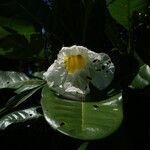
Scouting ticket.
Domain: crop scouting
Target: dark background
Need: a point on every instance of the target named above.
(64, 24)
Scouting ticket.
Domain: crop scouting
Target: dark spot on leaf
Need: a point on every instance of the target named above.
(109, 61)
(96, 106)
(94, 61)
(98, 69)
(103, 67)
(30, 114)
(62, 124)
(89, 78)
(7, 82)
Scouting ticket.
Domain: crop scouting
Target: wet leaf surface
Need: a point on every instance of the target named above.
(82, 120)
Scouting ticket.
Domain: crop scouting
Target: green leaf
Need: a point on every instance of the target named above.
(142, 79)
(19, 116)
(22, 97)
(82, 120)
(83, 146)
(113, 34)
(3, 32)
(38, 74)
(18, 99)
(122, 10)
(20, 26)
(15, 80)
(31, 84)
(16, 46)
(11, 79)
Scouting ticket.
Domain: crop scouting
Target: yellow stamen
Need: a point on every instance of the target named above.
(74, 63)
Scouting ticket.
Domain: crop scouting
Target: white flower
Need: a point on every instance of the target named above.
(75, 67)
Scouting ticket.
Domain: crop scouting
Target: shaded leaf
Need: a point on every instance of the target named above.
(19, 116)
(83, 146)
(113, 34)
(16, 46)
(18, 99)
(20, 26)
(3, 32)
(142, 79)
(122, 10)
(82, 120)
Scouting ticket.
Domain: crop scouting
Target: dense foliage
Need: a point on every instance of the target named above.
(31, 34)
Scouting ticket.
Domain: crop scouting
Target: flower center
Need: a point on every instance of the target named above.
(74, 63)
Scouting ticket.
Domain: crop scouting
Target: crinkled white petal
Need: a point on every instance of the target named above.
(99, 70)
(74, 86)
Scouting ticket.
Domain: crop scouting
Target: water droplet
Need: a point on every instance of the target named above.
(43, 31)
(140, 14)
(28, 126)
(140, 24)
(145, 15)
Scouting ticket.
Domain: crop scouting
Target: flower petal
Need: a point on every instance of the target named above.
(75, 67)
(102, 71)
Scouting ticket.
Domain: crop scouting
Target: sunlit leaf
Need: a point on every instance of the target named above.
(11, 79)
(31, 84)
(19, 116)
(15, 80)
(122, 10)
(142, 79)
(82, 120)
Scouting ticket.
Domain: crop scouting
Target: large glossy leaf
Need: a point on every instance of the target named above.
(82, 120)
(11, 79)
(19, 116)
(142, 79)
(122, 10)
